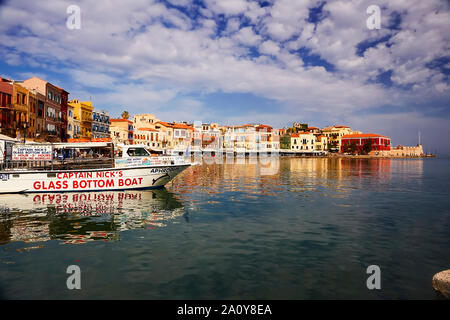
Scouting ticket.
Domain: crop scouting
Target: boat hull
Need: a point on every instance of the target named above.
(129, 178)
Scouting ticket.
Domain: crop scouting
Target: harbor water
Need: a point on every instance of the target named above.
(296, 228)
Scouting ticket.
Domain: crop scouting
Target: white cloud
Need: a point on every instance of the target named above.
(146, 54)
(247, 37)
(229, 7)
(269, 47)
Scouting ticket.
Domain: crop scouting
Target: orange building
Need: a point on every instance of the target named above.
(53, 116)
(121, 131)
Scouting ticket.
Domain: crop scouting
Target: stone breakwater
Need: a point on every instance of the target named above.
(441, 283)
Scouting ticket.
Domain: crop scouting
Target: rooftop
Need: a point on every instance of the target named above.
(364, 135)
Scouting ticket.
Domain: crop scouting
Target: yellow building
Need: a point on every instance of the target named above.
(146, 120)
(20, 105)
(32, 111)
(82, 112)
(321, 143)
(73, 125)
(334, 134)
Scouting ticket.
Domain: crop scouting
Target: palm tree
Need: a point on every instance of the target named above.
(125, 115)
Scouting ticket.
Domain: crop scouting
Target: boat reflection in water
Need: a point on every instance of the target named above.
(77, 218)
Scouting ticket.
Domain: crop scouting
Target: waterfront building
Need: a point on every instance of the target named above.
(207, 137)
(321, 143)
(176, 136)
(64, 108)
(285, 141)
(40, 114)
(32, 110)
(251, 138)
(149, 137)
(6, 108)
(182, 136)
(20, 105)
(303, 142)
(267, 139)
(240, 138)
(73, 124)
(121, 131)
(282, 132)
(402, 151)
(82, 111)
(100, 124)
(165, 134)
(334, 135)
(146, 120)
(53, 117)
(364, 143)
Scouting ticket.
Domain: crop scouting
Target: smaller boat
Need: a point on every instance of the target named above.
(91, 166)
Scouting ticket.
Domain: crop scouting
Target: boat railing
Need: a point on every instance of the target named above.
(57, 164)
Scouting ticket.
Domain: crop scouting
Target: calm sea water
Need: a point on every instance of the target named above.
(297, 229)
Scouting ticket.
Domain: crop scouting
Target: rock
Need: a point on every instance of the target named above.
(441, 283)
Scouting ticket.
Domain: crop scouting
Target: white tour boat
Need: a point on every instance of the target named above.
(93, 166)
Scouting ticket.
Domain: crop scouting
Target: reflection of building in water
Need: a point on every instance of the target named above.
(379, 169)
(332, 173)
(250, 175)
(24, 231)
(82, 217)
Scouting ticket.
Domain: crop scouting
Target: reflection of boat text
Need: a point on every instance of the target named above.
(88, 204)
(87, 216)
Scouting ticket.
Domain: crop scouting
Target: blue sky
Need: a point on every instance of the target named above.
(245, 61)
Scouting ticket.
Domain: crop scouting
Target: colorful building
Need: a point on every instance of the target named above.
(176, 136)
(267, 139)
(165, 134)
(54, 123)
(20, 106)
(146, 120)
(32, 110)
(64, 108)
(334, 135)
(321, 144)
(149, 137)
(40, 114)
(303, 142)
(207, 137)
(365, 143)
(6, 108)
(82, 111)
(100, 124)
(121, 131)
(73, 125)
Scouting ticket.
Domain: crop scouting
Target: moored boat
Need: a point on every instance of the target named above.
(66, 167)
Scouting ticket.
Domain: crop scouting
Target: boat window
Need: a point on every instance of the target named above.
(137, 152)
